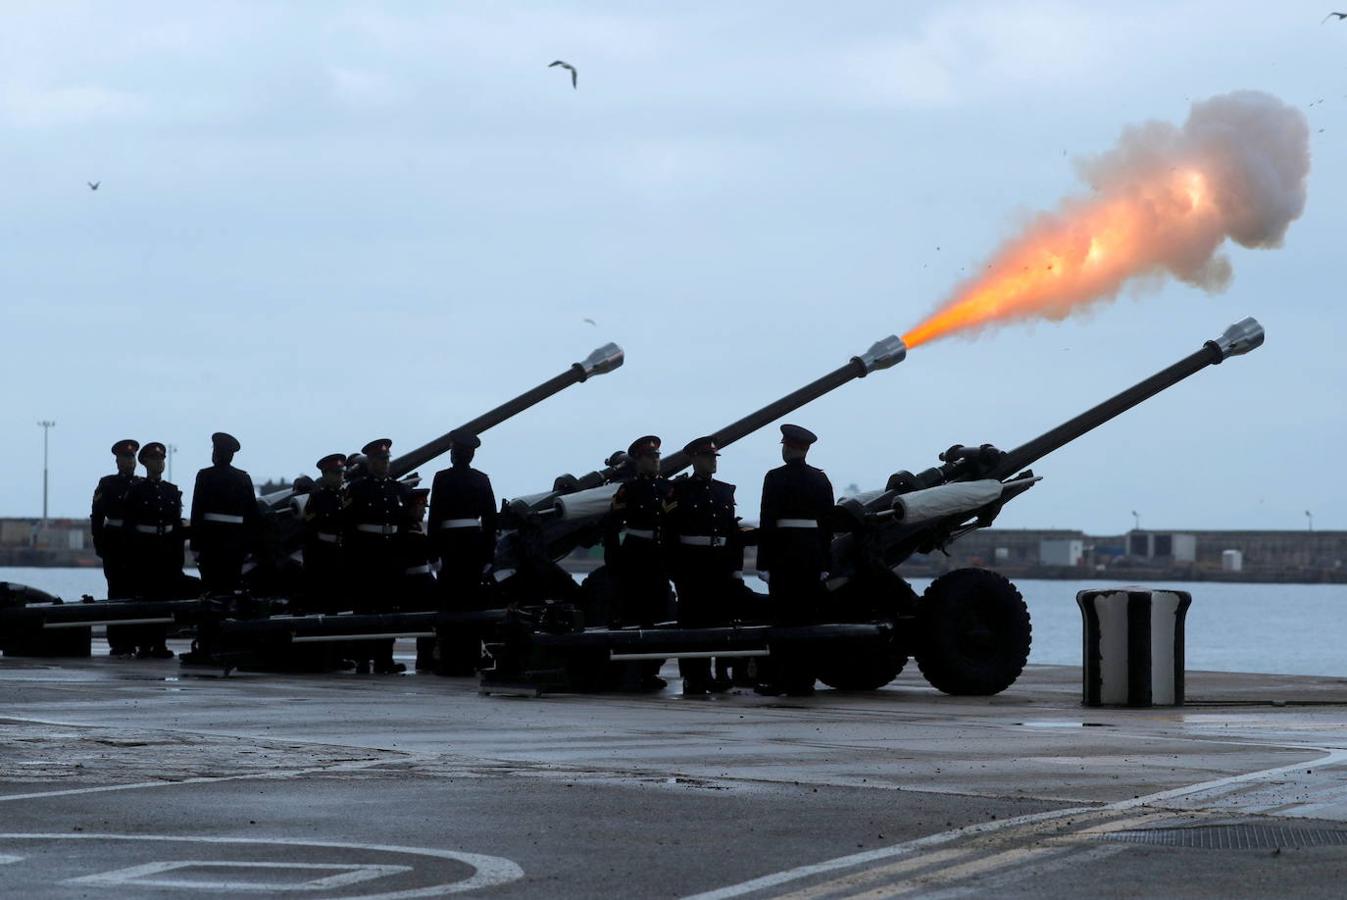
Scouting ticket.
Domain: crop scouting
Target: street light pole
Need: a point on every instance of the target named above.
(1309, 515)
(46, 426)
(172, 448)
(1136, 520)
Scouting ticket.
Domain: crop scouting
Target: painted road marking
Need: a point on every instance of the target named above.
(1331, 757)
(141, 876)
(10, 859)
(204, 779)
(488, 871)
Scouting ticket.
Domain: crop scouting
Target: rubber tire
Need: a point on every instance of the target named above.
(861, 672)
(974, 633)
(851, 670)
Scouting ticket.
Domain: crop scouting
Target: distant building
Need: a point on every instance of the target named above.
(1061, 552)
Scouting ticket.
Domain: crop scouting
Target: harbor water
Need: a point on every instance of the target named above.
(1294, 629)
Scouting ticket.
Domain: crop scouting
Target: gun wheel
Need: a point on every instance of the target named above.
(858, 670)
(870, 668)
(974, 633)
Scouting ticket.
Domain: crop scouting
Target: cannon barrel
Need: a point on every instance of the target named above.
(1238, 339)
(601, 361)
(883, 354)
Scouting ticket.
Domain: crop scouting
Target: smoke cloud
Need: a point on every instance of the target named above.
(1163, 203)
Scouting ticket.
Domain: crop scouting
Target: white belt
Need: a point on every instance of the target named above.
(703, 540)
(112, 523)
(327, 538)
(223, 518)
(377, 529)
(797, 523)
(462, 523)
(647, 533)
(155, 529)
(423, 569)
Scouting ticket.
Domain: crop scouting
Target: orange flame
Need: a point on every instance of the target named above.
(1086, 252)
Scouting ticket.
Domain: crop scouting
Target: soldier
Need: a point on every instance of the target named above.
(707, 554)
(376, 510)
(633, 548)
(224, 518)
(153, 528)
(324, 580)
(462, 525)
(106, 520)
(795, 548)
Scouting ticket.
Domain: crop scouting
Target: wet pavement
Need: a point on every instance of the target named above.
(145, 779)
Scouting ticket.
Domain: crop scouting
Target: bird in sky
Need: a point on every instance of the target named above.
(592, 322)
(93, 185)
(565, 65)
(1339, 15)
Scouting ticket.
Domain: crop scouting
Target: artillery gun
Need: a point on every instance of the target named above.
(969, 632)
(33, 623)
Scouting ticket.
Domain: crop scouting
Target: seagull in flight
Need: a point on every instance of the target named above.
(565, 65)
(592, 322)
(93, 185)
(1339, 15)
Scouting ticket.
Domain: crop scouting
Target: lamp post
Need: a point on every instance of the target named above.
(1309, 515)
(171, 448)
(1136, 521)
(46, 426)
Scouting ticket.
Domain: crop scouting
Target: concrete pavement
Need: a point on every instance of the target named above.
(142, 777)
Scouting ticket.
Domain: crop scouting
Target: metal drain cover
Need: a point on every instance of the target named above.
(1233, 837)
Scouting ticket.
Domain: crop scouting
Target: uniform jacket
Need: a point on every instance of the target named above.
(703, 508)
(641, 504)
(156, 504)
(796, 490)
(375, 501)
(462, 492)
(223, 491)
(107, 517)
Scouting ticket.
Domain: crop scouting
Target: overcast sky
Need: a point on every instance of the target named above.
(321, 223)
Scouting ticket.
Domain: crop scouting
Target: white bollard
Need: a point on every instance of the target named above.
(1133, 652)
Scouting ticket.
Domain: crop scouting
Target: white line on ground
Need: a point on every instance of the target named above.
(489, 870)
(1332, 757)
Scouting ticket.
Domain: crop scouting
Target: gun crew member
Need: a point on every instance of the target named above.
(153, 529)
(377, 509)
(107, 519)
(633, 548)
(707, 554)
(324, 580)
(462, 525)
(224, 517)
(795, 548)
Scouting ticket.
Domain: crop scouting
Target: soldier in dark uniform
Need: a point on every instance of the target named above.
(707, 555)
(633, 549)
(377, 509)
(224, 518)
(795, 549)
(462, 526)
(153, 528)
(325, 588)
(106, 519)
